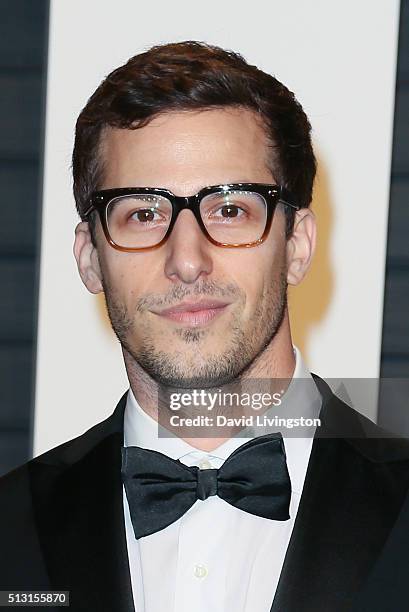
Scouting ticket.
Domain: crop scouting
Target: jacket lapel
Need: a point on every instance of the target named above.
(349, 504)
(81, 527)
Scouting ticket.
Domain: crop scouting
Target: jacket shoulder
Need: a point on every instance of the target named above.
(339, 420)
(64, 455)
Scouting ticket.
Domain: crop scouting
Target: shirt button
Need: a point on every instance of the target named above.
(200, 571)
(204, 464)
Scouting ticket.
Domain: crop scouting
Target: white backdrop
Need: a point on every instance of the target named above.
(340, 59)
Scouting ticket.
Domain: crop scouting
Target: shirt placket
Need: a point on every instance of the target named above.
(202, 555)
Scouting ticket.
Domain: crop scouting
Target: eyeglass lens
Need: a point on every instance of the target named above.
(142, 220)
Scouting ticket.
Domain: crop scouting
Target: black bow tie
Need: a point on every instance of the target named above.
(160, 490)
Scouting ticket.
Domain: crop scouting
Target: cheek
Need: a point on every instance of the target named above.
(251, 270)
(121, 276)
(132, 276)
(264, 274)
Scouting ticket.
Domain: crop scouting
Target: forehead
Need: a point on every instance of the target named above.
(191, 147)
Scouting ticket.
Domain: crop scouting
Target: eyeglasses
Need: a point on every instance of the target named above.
(234, 215)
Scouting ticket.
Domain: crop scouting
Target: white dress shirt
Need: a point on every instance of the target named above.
(215, 558)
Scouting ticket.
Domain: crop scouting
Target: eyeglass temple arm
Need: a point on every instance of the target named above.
(89, 210)
(285, 197)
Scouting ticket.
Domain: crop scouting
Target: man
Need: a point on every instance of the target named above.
(193, 175)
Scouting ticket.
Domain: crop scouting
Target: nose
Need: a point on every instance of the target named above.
(188, 257)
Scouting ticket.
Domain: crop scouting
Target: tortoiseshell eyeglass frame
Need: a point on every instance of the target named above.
(272, 194)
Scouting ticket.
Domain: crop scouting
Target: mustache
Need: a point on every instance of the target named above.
(179, 292)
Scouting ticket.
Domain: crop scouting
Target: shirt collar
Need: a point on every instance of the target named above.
(142, 430)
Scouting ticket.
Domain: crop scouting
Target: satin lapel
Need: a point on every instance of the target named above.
(81, 525)
(347, 509)
(317, 571)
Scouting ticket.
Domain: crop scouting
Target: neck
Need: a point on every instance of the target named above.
(276, 361)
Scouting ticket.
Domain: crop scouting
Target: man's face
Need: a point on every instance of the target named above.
(184, 152)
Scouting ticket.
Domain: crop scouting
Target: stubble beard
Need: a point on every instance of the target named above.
(188, 368)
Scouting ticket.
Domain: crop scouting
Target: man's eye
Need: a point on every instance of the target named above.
(227, 211)
(230, 211)
(144, 215)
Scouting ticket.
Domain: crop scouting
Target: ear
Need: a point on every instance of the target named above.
(301, 246)
(87, 258)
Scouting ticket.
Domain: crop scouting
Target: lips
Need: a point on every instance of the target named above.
(194, 314)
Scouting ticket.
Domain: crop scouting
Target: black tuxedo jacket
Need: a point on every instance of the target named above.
(62, 526)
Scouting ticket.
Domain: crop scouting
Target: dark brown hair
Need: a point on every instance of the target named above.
(191, 76)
